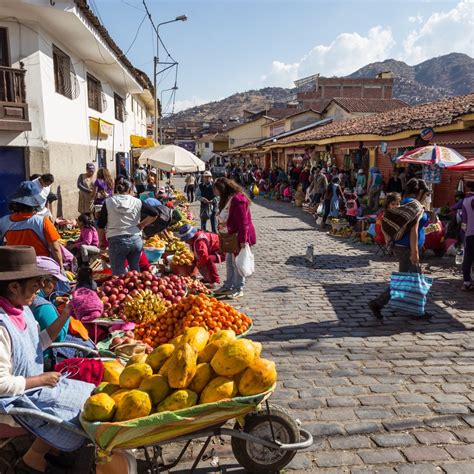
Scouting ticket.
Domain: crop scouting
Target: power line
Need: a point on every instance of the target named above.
(133, 6)
(136, 36)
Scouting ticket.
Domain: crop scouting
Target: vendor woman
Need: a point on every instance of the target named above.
(205, 246)
(23, 383)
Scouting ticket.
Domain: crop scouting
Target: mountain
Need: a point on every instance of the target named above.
(434, 79)
(431, 80)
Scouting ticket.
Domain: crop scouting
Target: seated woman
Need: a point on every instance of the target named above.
(46, 313)
(88, 242)
(23, 382)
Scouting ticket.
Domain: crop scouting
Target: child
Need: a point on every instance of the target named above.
(392, 201)
(85, 280)
(287, 194)
(352, 208)
(88, 242)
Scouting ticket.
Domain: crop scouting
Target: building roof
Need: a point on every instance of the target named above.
(300, 112)
(140, 76)
(362, 105)
(434, 114)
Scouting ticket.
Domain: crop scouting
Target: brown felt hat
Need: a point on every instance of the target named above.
(18, 262)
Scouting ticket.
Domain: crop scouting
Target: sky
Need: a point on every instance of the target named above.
(230, 46)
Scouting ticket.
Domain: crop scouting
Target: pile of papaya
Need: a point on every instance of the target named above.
(194, 368)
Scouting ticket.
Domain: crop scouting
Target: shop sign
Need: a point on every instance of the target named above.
(106, 128)
(427, 134)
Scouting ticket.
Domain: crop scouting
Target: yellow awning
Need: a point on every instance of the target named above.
(103, 127)
(136, 141)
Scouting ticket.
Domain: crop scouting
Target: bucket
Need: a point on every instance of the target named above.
(153, 254)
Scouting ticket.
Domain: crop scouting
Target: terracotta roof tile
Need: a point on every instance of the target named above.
(362, 105)
(434, 114)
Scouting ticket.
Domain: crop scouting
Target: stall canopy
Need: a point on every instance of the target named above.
(440, 156)
(464, 166)
(171, 158)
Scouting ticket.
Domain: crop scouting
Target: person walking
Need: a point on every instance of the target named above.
(468, 223)
(141, 179)
(190, 182)
(318, 186)
(375, 187)
(85, 184)
(119, 221)
(206, 196)
(234, 218)
(407, 249)
(361, 183)
(332, 199)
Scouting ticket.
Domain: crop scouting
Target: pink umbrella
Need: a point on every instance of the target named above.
(440, 156)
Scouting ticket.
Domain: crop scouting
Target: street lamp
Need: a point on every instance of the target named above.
(174, 88)
(156, 62)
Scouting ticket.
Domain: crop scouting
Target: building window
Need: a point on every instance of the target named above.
(119, 108)
(62, 73)
(206, 145)
(94, 93)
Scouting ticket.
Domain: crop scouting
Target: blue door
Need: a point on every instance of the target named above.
(12, 173)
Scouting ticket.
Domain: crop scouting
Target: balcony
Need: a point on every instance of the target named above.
(13, 106)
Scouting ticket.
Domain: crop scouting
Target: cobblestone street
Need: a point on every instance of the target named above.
(378, 397)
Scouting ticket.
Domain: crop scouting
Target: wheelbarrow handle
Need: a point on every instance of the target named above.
(306, 443)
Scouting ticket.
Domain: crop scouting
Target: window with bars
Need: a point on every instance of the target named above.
(94, 93)
(119, 105)
(62, 72)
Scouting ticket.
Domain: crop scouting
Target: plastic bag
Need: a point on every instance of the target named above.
(245, 261)
(255, 190)
(320, 210)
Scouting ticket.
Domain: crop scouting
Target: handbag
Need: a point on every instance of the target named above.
(228, 243)
(408, 292)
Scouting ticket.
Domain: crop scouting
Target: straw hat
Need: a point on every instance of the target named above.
(18, 262)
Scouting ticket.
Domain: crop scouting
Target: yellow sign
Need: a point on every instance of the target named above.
(136, 141)
(100, 127)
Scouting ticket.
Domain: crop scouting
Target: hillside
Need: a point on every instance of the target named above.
(431, 80)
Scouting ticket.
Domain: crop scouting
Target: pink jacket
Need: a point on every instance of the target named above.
(87, 237)
(240, 220)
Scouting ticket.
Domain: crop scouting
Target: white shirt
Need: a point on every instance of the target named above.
(44, 193)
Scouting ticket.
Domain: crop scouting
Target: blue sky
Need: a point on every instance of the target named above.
(230, 46)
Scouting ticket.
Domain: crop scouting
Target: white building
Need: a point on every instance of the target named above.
(68, 96)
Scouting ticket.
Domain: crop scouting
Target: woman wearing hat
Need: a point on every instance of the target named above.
(23, 383)
(205, 246)
(85, 184)
(25, 227)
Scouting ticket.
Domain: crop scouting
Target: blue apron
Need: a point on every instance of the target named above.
(64, 401)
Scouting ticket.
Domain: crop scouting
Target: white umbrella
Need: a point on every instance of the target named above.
(172, 158)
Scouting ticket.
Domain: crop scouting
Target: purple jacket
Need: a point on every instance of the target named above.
(240, 220)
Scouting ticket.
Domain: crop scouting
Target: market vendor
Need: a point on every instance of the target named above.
(25, 227)
(166, 217)
(205, 246)
(23, 382)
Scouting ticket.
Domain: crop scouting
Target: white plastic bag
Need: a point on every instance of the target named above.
(245, 261)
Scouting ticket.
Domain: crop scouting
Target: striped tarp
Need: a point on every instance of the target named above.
(160, 427)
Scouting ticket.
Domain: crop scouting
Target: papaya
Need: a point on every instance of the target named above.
(99, 407)
(132, 376)
(258, 348)
(107, 387)
(182, 367)
(164, 368)
(156, 386)
(232, 358)
(202, 377)
(178, 400)
(119, 394)
(177, 340)
(112, 371)
(134, 404)
(197, 337)
(258, 377)
(159, 355)
(223, 334)
(220, 388)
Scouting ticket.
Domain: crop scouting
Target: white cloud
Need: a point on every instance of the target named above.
(442, 33)
(188, 103)
(415, 19)
(348, 52)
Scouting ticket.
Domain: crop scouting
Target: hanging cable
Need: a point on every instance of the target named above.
(136, 36)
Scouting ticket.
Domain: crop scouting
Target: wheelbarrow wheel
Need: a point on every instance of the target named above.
(257, 458)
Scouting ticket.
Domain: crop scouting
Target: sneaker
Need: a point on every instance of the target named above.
(236, 295)
(376, 310)
(222, 291)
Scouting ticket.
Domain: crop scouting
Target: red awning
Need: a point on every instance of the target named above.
(464, 166)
